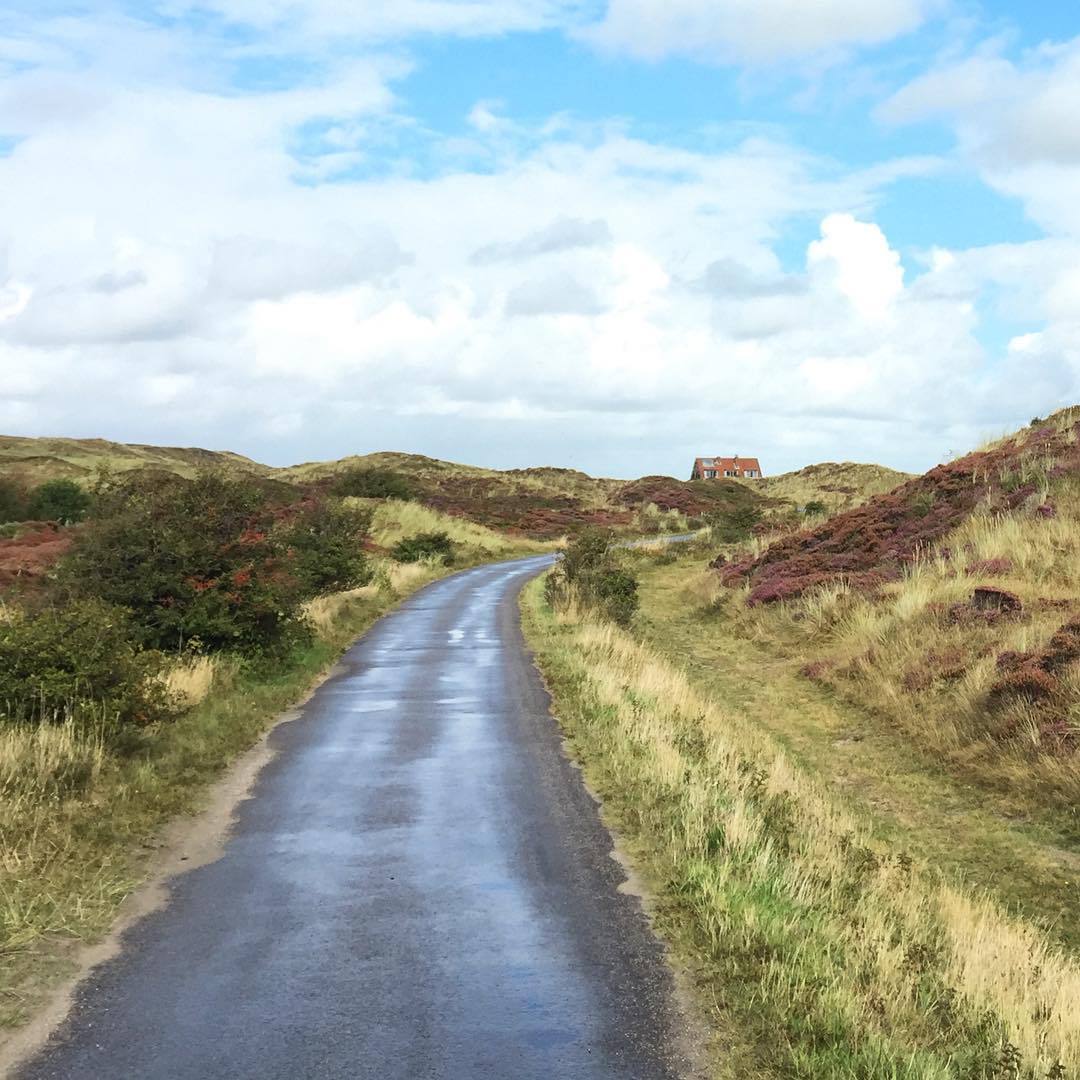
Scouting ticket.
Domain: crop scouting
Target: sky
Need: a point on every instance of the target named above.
(604, 234)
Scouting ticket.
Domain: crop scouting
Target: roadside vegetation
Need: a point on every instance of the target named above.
(155, 646)
(855, 796)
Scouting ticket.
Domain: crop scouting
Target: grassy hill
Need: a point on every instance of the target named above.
(541, 502)
(838, 485)
(538, 502)
(33, 461)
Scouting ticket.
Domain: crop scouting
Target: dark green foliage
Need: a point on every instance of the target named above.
(12, 501)
(732, 526)
(58, 500)
(368, 483)
(815, 508)
(194, 561)
(78, 660)
(434, 545)
(612, 591)
(590, 569)
(324, 548)
(589, 550)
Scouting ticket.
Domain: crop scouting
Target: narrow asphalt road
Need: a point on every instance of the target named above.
(420, 887)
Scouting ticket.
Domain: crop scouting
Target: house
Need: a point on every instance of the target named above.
(709, 468)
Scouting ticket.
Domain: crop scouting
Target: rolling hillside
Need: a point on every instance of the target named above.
(838, 485)
(539, 502)
(33, 461)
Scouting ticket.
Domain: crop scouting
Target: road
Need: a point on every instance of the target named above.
(419, 887)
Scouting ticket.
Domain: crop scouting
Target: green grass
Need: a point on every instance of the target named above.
(909, 798)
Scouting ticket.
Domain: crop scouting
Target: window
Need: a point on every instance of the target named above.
(729, 472)
(707, 461)
(751, 472)
(710, 474)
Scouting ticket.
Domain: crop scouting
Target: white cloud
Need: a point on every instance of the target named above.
(856, 257)
(754, 31)
(378, 22)
(176, 271)
(1016, 123)
(560, 294)
(562, 234)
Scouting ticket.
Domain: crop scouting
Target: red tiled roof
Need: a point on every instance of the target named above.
(729, 464)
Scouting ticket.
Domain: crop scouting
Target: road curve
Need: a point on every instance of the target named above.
(420, 887)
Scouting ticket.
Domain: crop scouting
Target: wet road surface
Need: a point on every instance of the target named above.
(420, 887)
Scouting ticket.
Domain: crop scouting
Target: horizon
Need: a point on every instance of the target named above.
(602, 235)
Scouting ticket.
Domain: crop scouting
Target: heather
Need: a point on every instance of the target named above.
(874, 543)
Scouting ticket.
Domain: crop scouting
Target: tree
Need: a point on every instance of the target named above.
(58, 500)
(192, 560)
(324, 546)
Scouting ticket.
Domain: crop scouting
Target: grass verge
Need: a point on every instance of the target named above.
(826, 952)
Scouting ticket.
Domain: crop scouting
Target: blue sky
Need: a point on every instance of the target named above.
(611, 234)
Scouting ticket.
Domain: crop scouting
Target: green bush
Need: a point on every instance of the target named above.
(433, 545)
(80, 661)
(365, 483)
(591, 572)
(732, 526)
(58, 500)
(611, 591)
(815, 508)
(324, 547)
(12, 501)
(590, 549)
(194, 561)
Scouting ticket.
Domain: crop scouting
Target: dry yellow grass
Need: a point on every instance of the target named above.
(912, 653)
(852, 959)
(190, 680)
(839, 485)
(394, 520)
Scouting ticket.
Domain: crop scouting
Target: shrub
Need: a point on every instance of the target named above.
(430, 545)
(192, 560)
(589, 571)
(732, 526)
(590, 549)
(611, 591)
(12, 502)
(369, 483)
(815, 508)
(58, 500)
(78, 662)
(324, 547)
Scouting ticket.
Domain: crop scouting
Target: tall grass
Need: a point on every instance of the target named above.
(394, 519)
(837, 957)
(917, 654)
